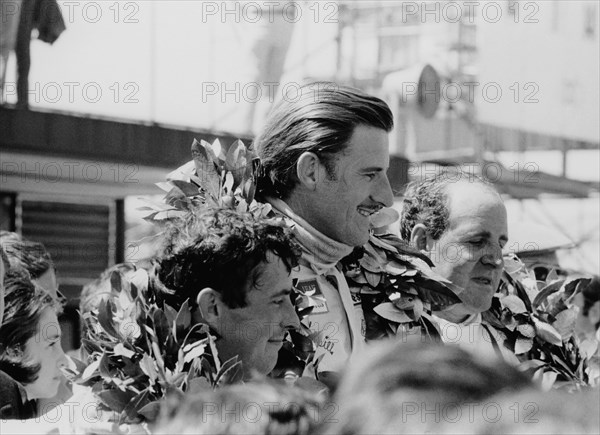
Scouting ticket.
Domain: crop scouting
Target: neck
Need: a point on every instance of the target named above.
(28, 393)
(297, 203)
(320, 247)
(225, 353)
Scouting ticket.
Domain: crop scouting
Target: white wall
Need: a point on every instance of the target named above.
(167, 56)
(551, 60)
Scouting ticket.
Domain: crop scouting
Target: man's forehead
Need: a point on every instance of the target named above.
(49, 326)
(464, 192)
(367, 152)
(270, 277)
(472, 207)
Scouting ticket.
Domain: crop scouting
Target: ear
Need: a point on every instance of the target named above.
(419, 238)
(307, 170)
(209, 303)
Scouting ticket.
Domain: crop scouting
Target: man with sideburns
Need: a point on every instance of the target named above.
(324, 156)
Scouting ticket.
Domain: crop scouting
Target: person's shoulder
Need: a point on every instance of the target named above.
(7, 384)
(11, 402)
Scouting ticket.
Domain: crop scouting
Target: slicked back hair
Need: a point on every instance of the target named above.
(321, 119)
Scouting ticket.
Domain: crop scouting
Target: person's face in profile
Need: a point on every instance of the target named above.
(469, 251)
(45, 349)
(256, 332)
(342, 205)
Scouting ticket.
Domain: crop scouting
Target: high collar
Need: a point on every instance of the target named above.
(323, 252)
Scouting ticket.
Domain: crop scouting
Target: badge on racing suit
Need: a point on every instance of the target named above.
(315, 298)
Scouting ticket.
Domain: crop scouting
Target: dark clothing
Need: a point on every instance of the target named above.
(45, 16)
(48, 20)
(13, 400)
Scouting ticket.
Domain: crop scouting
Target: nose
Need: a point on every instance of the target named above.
(383, 192)
(290, 318)
(493, 257)
(62, 359)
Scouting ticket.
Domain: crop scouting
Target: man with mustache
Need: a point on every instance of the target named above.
(324, 155)
(459, 221)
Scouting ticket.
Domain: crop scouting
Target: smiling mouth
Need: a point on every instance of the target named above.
(368, 211)
(277, 340)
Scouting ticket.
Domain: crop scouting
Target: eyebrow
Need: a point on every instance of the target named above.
(284, 292)
(373, 169)
(54, 337)
(487, 235)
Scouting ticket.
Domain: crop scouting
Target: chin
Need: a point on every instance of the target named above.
(356, 241)
(48, 393)
(481, 308)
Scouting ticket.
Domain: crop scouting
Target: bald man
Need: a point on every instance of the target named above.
(460, 223)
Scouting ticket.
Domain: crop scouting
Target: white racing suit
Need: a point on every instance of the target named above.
(337, 314)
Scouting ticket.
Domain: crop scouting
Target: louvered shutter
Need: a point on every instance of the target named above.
(77, 237)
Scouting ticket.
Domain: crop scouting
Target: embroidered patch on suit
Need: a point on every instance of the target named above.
(314, 295)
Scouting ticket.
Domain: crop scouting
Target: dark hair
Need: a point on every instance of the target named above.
(378, 387)
(426, 202)
(32, 256)
(220, 249)
(321, 120)
(24, 304)
(279, 409)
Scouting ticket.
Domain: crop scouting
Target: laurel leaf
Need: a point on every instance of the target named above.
(547, 333)
(389, 312)
(523, 345)
(514, 304)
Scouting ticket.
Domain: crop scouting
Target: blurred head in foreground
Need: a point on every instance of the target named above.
(255, 407)
(535, 412)
(400, 387)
